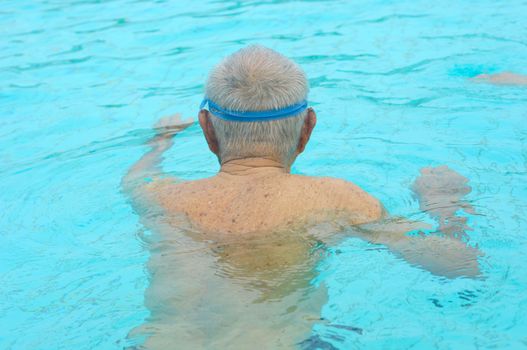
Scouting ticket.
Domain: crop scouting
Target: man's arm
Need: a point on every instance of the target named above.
(435, 252)
(147, 168)
(440, 250)
(440, 192)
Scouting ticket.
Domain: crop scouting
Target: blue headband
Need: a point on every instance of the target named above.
(254, 116)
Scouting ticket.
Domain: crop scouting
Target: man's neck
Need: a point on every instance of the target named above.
(252, 167)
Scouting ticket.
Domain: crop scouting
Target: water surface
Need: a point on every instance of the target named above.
(81, 82)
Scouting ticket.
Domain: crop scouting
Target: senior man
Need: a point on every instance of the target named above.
(257, 123)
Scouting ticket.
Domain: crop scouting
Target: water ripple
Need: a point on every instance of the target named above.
(81, 83)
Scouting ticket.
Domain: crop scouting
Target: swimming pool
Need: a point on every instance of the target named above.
(81, 82)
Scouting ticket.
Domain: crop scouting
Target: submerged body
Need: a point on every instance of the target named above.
(232, 292)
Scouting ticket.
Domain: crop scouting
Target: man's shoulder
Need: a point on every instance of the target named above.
(165, 191)
(343, 195)
(329, 183)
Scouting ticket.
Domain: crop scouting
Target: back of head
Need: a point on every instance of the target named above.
(255, 79)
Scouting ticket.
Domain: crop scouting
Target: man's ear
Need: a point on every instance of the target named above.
(307, 129)
(208, 131)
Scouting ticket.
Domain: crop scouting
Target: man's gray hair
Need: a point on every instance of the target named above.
(254, 79)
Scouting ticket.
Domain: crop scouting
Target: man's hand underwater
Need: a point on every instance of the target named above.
(168, 126)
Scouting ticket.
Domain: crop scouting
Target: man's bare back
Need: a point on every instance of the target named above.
(263, 199)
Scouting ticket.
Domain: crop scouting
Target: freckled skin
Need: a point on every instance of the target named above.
(228, 204)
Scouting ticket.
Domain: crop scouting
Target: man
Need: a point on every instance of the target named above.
(263, 221)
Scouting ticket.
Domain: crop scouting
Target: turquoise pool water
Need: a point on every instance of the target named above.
(81, 82)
